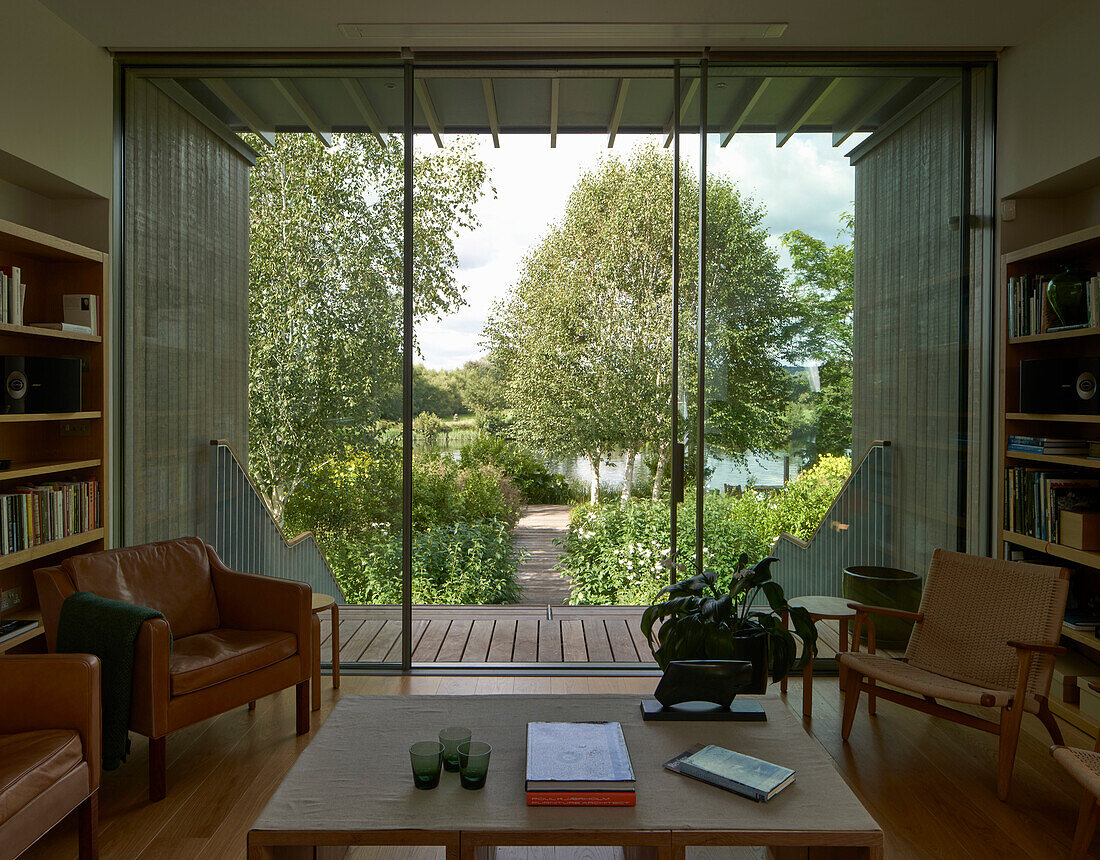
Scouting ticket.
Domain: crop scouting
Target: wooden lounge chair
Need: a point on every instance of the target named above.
(986, 635)
(1083, 766)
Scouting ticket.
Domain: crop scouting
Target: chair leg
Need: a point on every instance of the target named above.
(335, 647)
(158, 768)
(1051, 724)
(1006, 756)
(853, 685)
(1086, 826)
(88, 827)
(302, 692)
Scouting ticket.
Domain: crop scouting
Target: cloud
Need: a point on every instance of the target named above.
(806, 185)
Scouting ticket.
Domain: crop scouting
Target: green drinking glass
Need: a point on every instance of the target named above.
(473, 758)
(451, 738)
(427, 758)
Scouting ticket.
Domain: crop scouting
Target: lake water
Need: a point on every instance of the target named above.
(767, 472)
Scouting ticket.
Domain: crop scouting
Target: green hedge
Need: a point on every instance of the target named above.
(615, 555)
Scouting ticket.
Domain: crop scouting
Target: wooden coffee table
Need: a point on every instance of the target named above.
(353, 786)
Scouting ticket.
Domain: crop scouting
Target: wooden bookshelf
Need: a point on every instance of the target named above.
(1059, 417)
(33, 331)
(55, 446)
(1066, 553)
(27, 636)
(1069, 334)
(1055, 459)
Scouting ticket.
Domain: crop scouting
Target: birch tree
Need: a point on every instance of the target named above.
(325, 290)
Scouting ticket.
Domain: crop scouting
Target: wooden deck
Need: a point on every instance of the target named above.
(469, 635)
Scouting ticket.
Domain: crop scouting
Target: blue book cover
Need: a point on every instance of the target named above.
(578, 757)
(750, 777)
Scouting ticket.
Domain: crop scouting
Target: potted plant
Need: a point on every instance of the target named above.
(701, 621)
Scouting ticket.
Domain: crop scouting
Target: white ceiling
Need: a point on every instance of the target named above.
(312, 24)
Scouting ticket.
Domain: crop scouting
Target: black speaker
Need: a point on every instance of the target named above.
(1060, 385)
(34, 383)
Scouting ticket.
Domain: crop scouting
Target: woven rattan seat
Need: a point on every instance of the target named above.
(898, 673)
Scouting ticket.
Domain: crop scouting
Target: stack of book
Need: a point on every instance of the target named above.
(578, 764)
(30, 516)
(1049, 445)
(1029, 313)
(12, 294)
(1083, 621)
(1034, 498)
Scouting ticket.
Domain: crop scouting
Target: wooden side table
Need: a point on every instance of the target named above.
(820, 609)
(321, 602)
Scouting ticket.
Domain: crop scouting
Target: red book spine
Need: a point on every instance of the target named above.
(581, 798)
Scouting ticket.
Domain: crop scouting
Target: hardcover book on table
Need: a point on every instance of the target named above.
(566, 761)
(742, 774)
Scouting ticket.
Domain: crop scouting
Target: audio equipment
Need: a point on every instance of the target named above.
(1060, 385)
(35, 383)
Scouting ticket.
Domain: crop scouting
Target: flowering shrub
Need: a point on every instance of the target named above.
(615, 555)
(459, 562)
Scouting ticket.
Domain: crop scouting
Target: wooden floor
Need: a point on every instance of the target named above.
(458, 635)
(929, 783)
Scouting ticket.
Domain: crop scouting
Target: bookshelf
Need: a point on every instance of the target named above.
(55, 446)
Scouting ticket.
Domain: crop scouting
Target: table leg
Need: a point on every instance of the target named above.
(316, 632)
(844, 646)
(808, 689)
(335, 647)
(783, 683)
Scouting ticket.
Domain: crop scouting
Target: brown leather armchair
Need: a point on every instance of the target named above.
(49, 748)
(226, 639)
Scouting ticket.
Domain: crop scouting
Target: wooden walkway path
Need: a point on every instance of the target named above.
(534, 535)
(465, 635)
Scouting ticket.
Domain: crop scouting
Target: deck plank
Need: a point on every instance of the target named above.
(595, 638)
(427, 649)
(394, 654)
(549, 641)
(526, 649)
(352, 649)
(454, 645)
(477, 644)
(572, 637)
(387, 638)
(504, 638)
(641, 644)
(622, 645)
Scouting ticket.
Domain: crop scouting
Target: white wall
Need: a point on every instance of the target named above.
(1048, 92)
(56, 96)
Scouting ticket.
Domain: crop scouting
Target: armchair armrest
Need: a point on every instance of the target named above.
(55, 691)
(53, 585)
(1037, 647)
(886, 610)
(864, 615)
(151, 680)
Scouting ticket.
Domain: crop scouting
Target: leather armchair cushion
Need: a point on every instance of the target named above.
(206, 659)
(30, 762)
(171, 576)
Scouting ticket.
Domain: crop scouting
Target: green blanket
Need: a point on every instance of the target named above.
(90, 624)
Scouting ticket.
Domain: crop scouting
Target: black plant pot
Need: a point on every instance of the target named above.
(716, 681)
(752, 646)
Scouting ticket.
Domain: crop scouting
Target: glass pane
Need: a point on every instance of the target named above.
(543, 389)
(833, 308)
(325, 352)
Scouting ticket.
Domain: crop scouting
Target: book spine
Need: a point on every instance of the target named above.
(581, 798)
(722, 782)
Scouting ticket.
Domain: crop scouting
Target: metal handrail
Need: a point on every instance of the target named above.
(856, 530)
(246, 533)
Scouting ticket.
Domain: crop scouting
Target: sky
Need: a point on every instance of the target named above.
(806, 185)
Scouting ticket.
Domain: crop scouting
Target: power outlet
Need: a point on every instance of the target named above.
(11, 598)
(75, 428)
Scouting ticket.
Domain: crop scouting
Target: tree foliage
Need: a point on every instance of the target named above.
(325, 290)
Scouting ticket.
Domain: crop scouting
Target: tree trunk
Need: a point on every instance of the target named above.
(658, 476)
(277, 502)
(594, 496)
(628, 477)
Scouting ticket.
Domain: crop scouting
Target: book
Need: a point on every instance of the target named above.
(11, 629)
(742, 774)
(81, 309)
(14, 293)
(582, 798)
(568, 757)
(73, 327)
